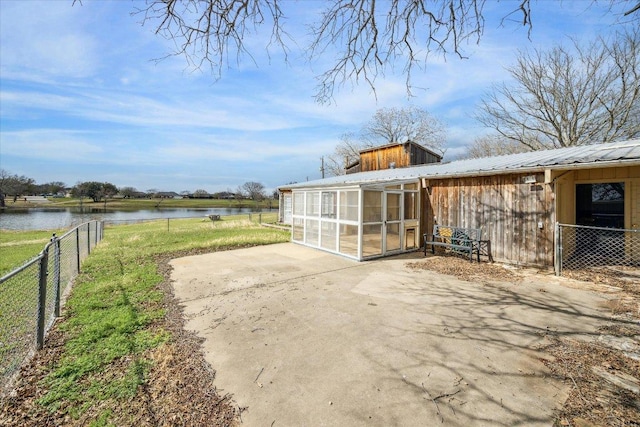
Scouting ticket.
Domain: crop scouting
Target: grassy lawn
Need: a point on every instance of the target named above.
(111, 319)
(18, 247)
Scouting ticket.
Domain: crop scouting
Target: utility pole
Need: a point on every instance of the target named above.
(322, 166)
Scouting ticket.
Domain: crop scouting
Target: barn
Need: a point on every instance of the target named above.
(523, 203)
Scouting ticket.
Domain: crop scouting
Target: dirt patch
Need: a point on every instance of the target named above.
(465, 270)
(591, 369)
(625, 278)
(179, 390)
(593, 398)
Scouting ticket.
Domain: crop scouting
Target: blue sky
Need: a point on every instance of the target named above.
(82, 99)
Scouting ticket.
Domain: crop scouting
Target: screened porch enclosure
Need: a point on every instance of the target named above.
(359, 222)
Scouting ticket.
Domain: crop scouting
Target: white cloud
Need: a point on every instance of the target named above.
(49, 144)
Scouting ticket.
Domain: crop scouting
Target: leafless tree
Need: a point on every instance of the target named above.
(570, 96)
(346, 152)
(492, 145)
(201, 194)
(253, 190)
(371, 37)
(388, 125)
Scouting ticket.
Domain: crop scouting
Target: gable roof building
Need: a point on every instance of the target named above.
(391, 156)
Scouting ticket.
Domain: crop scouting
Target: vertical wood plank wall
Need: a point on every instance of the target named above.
(381, 158)
(402, 155)
(507, 210)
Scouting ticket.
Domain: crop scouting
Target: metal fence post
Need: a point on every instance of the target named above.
(558, 239)
(56, 274)
(260, 218)
(167, 225)
(88, 239)
(42, 297)
(78, 249)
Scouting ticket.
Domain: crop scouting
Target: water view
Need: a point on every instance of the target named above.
(55, 218)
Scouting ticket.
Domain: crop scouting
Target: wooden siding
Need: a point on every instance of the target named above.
(383, 157)
(420, 156)
(507, 210)
(402, 155)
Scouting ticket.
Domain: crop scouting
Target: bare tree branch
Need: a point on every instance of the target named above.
(570, 96)
(364, 39)
(493, 145)
(211, 32)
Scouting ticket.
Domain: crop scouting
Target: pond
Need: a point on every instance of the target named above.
(56, 218)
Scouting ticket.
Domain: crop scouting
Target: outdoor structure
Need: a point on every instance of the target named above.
(396, 155)
(516, 200)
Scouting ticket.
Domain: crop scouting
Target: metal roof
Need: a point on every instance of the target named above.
(595, 155)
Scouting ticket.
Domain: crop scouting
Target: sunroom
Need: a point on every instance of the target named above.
(359, 221)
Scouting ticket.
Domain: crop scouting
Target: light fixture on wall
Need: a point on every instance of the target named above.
(529, 179)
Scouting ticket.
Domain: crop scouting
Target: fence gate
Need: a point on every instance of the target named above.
(581, 247)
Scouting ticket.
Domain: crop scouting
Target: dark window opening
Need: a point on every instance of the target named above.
(600, 205)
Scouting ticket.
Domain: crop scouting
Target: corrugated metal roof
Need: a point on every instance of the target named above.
(626, 152)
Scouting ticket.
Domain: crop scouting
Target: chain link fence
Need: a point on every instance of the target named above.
(31, 296)
(581, 247)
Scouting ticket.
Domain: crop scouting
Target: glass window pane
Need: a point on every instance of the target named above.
(372, 208)
(371, 239)
(349, 205)
(393, 207)
(329, 230)
(411, 186)
(313, 203)
(329, 204)
(312, 232)
(410, 205)
(393, 237)
(600, 205)
(349, 239)
(298, 203)
(286, 209)
(298, 230)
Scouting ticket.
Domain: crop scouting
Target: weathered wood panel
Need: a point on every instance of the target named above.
(401, 155)
(507, 210)
(383, 157)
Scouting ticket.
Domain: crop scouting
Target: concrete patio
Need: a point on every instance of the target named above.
(301, 337)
